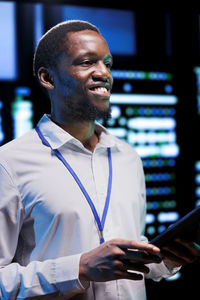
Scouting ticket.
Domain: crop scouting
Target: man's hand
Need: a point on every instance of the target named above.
(179, 253)
(116, 258)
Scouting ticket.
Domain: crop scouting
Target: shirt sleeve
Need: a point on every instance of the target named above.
(58, 275)
(160, 271)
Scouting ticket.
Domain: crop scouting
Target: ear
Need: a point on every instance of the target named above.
(45, 78)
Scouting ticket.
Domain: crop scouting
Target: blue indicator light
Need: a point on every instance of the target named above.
(161, 228)
(197, 179)
(197, 166)
(197, 192)
(168, 89)
(22, 91)
(168, 217)
(127, 87)
(150, 218)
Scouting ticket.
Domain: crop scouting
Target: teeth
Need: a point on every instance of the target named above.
(101, 89)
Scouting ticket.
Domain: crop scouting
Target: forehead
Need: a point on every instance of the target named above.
(86, 41)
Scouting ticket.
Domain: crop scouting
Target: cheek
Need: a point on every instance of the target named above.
(66, 85)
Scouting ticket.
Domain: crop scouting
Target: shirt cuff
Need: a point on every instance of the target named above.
(159, 271)
(66, 271)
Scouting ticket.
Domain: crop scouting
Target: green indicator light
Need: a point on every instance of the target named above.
(173, 190)
(169, 76)
(151, 75)
(172, 176)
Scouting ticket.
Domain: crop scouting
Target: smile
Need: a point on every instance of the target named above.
(100, 91)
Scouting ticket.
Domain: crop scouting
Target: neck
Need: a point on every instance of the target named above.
(82, 131)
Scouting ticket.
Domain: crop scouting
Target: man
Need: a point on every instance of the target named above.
(73, 196)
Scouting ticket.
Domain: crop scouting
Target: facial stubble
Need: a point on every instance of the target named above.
(86, 111)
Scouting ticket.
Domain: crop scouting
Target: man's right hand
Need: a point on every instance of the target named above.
(114, 259)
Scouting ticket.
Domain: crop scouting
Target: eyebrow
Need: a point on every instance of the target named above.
(108, 56)
(92, 55)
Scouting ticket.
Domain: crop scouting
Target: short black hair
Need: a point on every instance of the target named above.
(51, 45)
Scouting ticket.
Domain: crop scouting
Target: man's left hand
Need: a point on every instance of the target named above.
(179, 253)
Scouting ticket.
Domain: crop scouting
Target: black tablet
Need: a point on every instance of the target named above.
(185, 227)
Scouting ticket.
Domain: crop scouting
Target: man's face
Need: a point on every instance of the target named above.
(82, 78)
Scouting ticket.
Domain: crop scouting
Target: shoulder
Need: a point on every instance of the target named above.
(18, 142)
(18, 147)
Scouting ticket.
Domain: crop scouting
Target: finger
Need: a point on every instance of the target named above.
(137, 245)
(128, 275)
(175, 260)
(179, 250)
(129, 266)
(142, 257)
(124, 265)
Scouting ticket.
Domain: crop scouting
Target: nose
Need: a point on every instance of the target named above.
(101, 72)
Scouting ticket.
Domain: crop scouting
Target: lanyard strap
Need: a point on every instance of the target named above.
(100, 223)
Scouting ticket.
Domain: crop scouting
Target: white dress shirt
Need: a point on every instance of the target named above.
(46, 222)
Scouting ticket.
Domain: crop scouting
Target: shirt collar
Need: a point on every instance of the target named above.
(57, 137)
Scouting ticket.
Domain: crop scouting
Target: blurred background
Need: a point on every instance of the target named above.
(155, 100)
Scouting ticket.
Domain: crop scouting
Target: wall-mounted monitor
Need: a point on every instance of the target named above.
(8, 56)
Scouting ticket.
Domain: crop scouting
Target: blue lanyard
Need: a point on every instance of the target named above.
(100, 223)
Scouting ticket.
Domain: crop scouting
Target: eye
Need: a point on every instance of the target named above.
(108, 64)
(86, 63)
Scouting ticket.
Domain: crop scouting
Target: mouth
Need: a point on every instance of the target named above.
(100, 90)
